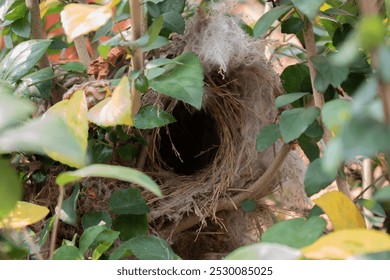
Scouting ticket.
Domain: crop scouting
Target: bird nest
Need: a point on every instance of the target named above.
(209, 155)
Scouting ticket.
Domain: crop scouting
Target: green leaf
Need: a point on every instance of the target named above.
(151, 248)
(154, 29)
(69, 208)
(28, 138)
(68, 252)
(171, 5)
(73, 66)
(309, 147)
(295, 233)
(127, 152)
(103, 242)
(267, 137)
(332, 74)
(384, 62)
(149, 117)
(316, 178)
(295, 121)
(159, 42)
(335, 114)
(21, 27)
(126, 174)
(314, 131)
(268, 19)
(131, 226)
(36, 84)
(371, 31)
(292, 25)
(372, 206)
(100, 218)
(308, 8)
(248, 205)
(385, 255)
(286, 99)
(174, 21)
(264, 251)
(10, 189)
(183, 82)
(128, 201)
(88, 237)
(12, 109)
(22, 58)
(296, 78)
(383, 195)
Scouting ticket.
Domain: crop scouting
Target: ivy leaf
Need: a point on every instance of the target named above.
(69, 208)
(316, 178)
(68, 252)
(174, 21)
(332, 74)
(149, 117)
(267, 137)
(128, 201)
(345, 243)
(24, 214)
(100, 218)
(295, 233)
(268, 19)
(308, 8)
(183, 81)
(295, 121)
(126, 174)
(131, 226)
(289, 98)
(115, 110)
(151, 248)
(22, 58)
(341, 211)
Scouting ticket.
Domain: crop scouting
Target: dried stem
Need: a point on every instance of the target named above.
(36, 28)
(56, 222)
(230, 203)
(137, 60)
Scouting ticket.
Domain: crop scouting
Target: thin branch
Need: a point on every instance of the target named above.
(36, 28)
(137, 60)
(56, 222)
(80, 44)
(253, 191)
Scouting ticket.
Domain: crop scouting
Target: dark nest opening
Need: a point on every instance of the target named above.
(191, 143)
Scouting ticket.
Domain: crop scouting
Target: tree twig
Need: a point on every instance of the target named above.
(137, 59)
(36, 28)
(253, 191)
(80, 44)
(56, 222)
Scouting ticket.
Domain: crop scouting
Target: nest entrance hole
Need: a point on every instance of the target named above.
(191, 143)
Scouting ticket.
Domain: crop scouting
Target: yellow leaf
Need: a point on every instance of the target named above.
(75, 113)
(23, 215)
(346, 243)
(325, 7)
(111, 3)
(341, 211)
(80, 19)
(45, 5)
(115, 110)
